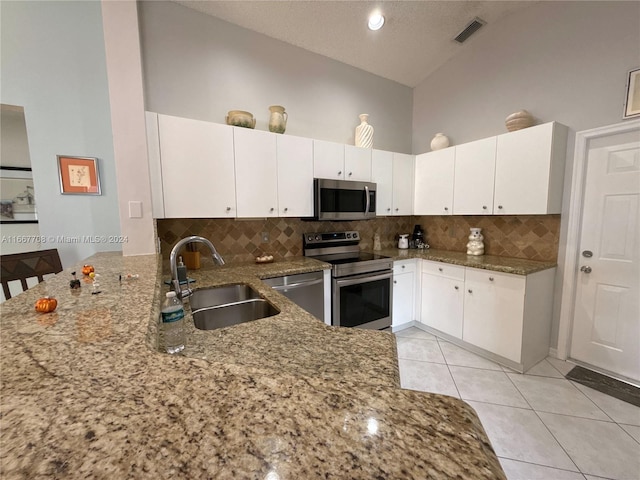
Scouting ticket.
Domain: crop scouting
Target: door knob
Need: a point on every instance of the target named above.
(585, 269)
(587, 253)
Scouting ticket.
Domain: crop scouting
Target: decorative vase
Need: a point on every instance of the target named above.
(476, 244)
(364, 132)
(277, 119)
(439, 142)
(519, 120)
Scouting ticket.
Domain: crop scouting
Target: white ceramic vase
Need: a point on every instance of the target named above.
(475, 246)
(364, 132)
(277, 119)
(439, 142)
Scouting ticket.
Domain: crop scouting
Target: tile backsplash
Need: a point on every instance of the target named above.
(534, 237)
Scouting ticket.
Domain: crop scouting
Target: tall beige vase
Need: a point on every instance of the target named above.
(364, 132)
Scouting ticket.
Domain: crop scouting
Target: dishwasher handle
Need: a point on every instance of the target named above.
(291, 286)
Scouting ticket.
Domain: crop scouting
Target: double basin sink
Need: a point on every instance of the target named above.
(219, 307)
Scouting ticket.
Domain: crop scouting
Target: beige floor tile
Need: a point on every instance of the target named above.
(633, 431)
(544, 369)
(427, 377)
(487, 386)
(421, 349)
(455, 355)
(619, 411)
(414, 332)
(562, 366)
(556, 395)
(528, 471)
(597, 448)
(518, 434)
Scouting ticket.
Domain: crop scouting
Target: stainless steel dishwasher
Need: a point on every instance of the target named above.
(304, 289)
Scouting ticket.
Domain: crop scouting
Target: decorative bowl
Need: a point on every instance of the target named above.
(519, 120)
(240, 118)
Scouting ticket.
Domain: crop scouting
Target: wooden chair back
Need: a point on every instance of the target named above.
(21, 266)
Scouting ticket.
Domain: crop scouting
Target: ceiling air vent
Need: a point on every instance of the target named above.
(470, 29)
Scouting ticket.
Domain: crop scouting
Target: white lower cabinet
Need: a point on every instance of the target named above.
(404, 292)
(442, 298)
(504, 316)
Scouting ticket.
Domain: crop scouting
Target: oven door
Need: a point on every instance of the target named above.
(363, 301)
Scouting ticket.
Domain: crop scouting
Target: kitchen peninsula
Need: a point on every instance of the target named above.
(86, 392)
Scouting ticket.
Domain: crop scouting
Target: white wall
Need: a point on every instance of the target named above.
(201, 67)
(562, 61)
(53, 64)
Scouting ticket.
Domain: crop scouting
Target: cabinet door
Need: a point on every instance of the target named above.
(494, 312)
(357, 163)
(434, 183)
(295, 176)
(328, 160)
(382, 176)
(530, 170)
(256, 173)
(198, 178)
(155, 164)
(403, 171)
(442, 303)
(475, 165)
(403, 298)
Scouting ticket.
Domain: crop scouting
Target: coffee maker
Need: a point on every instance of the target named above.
(417, 238)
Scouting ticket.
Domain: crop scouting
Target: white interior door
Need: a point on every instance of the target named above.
(606, 327)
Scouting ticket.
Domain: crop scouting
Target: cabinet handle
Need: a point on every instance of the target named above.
(470, 291)
(350, 173)
(396, 209)
(389, 209)
(395, 281)
(228, 209)
(499, 207)
(446, 209)
(340, 172)
(439, 269)
(491, 279)
(484, 207)
(271, 209)
(403, 266)
(456, 287)
(286, 209)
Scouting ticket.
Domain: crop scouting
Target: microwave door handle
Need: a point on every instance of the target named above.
(367, 201)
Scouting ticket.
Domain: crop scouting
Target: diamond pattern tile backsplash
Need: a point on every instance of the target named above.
(534, 237)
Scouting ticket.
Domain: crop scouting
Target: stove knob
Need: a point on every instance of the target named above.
(317, 238)
(355, 235)
(348, 235)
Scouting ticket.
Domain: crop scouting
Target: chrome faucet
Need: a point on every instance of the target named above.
(174, 267)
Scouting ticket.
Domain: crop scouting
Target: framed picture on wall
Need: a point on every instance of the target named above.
(17, 199)
(79, 175)
(632, 101)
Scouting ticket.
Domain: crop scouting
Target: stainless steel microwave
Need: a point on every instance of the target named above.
(344, 199)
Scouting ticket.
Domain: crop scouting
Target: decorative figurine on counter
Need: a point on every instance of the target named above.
(75, 283)
(476, 244)
(46, 304)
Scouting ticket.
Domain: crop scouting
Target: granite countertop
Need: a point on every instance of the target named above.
(516, 266)
(85, 391)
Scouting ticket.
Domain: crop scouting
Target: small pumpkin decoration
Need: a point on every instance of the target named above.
(46, 304)
(87, 269)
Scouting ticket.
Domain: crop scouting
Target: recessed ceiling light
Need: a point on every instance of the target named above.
(376, 21)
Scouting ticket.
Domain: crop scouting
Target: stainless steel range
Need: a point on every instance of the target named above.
(361, 284)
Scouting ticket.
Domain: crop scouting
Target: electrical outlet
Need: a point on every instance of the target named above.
(265, 237)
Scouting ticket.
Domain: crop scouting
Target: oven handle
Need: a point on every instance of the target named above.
(292, 286)
(367, 201)
(365, 277)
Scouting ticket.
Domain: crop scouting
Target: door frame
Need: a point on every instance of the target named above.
(574, 227)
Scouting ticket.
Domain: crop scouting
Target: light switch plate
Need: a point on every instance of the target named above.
(135, 209)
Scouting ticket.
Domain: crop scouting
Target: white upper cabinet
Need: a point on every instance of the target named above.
(382, 176)
(295, 176)
(475, 165)
(434, 182)
(328, 160)
(155, 164)
(403, 183)
(530, 170)
(256, 173)
(357, 163)
(197, 163)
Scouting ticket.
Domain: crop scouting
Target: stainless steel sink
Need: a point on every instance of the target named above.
(220, 307)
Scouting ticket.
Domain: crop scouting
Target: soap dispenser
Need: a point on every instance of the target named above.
(182, 271)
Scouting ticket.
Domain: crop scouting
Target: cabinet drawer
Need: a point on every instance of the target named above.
(404, 266)
(443, 269)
